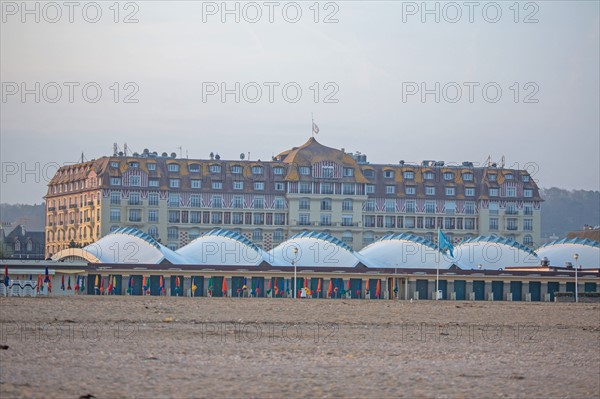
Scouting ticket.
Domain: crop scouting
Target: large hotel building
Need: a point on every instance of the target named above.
(307, 188)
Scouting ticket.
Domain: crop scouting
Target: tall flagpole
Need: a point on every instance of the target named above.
(437, 271)
(312, 125)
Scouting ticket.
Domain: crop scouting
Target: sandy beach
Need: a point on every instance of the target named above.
(140, 347)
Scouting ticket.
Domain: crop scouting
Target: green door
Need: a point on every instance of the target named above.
(215, 285)
(443, 286)
(479, 290)
(314, 284)
(176, 290)
(237, 284)
(590, 287)
(356, 288)
(535, 289)
(198, 281)
(498, 290)
(258, 287)
(516, 288)
(571, 287)
(460, 287)
(553, 286)
(422, 286)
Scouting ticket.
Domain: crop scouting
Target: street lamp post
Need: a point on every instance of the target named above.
(295, 273)
(576, 256)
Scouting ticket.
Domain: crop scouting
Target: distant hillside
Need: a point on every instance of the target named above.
(32, 216)
(562, 211)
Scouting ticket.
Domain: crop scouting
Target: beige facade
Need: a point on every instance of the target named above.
(311, 187)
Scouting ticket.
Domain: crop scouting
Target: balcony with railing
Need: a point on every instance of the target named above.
(511, 212)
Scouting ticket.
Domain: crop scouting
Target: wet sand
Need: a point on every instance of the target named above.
(141, 347)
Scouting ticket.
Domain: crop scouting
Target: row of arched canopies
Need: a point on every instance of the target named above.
(219, 247)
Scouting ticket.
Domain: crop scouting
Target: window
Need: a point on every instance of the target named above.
(508, 176)
(173, 167)
(151, 166)
(278, 171)
(238, 185)
(257, 170)
(429, 190)
(257, 235)
(174, 199)
(259, 185)
(134, 164)
(327, 172)
(153, 183)
(196, 183)
(409, 175)
(325, 219)
(410, 190)
(259, 203)
(135, 215)
(115, 198)
(134, 181)
(258, 218)
(467, 176)
(370, 188)
(469, 224)
(493, 223)
(153, 215)
(511, 224)
(304, 219)
(217, 185)
(347, 220)
(511, 192)
(194, 168)
(326, 204)
(469, 207)
(528, 240)
(216, 201)
(348, 189)
(279, 203)
(305, 170)
(279, 186)
(528, 210)
(153, 232)
(528, 224)
(348, 172)
(390, 189)
(347, 204)
(450, 191)
(410, 206)
(134, 199)
(195, 217)
(369, 173)
(388, 174)
(153, 199)
(115, 215)
(448, 176)
(429, 207)
(370, 206)
(216, 217)
(238, 202)
(304, 188)
(215, 168)
(450, 207)
(493, 192)
(115, 181)
(173, 216)
(237, 218)
(390, 205)
(493, 208)
(304, 204)
(278, 235)
(492, 177)
(469, 192)
(114, 164)
(369, 221)
(279, 219)
(409, 222)
(428, 176)
(174, 183)
(326, 188)
(172, 233)
(528, 193)
(525, 178)
(236, 169)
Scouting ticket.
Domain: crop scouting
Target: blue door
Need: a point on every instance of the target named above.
(590, 287)
(535, 289)
(237, 286)
(176, 289)
(443, 286)
(373, 288)
(553, 286)
(215, 285)
(155, 285)
(479, 290)
(571, 287)
(498, 290)
(422, 289)
(314, 285)
(460, 287)
(278, 285)
(198, 281)
(516, 287)
(338, 287)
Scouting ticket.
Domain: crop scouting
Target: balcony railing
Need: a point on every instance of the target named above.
(511, 212)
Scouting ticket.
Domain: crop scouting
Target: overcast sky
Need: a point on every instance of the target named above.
(370, 68)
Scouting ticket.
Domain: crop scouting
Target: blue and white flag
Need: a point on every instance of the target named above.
(315, 128)
(444, 244)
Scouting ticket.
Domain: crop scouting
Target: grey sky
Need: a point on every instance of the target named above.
(369, 55)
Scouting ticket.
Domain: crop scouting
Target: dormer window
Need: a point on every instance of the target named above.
(134, 164)
(388, 174)
(525, 178)
(467, 176)
(194, 168)
(114, 164)
(348, 172)
(448, 176)
(492, 177)
(151, 166)
(409, 175)
(278, 170)
(428, 176)
(257, 170)
(173, 167)
(236, 170)
(215, 168)
(305, 170)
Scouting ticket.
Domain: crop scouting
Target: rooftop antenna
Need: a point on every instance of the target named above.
(125, 149)
(502, 161)
(115, 149)
(81, 156)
